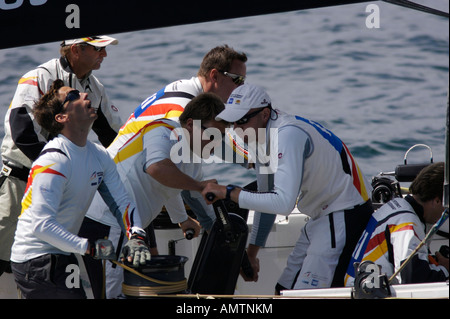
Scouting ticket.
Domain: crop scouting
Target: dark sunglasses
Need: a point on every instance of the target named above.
(237, 79)
(247, 117)
(71, 96)
(98, 49)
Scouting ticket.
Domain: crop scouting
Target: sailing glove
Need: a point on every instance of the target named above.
(137, 250)
(103, 249)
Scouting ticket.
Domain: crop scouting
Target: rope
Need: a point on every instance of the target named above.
(157, 281)
(146, 291)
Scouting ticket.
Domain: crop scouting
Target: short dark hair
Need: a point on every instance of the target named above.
(46, 109)
(429, 183)
(204, 107)
(220, 58)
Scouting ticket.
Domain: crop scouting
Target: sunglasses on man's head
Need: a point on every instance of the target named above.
(237, 79)
(247, 117)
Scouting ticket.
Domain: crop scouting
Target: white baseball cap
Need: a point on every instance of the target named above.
(241, 100)
(97, 41)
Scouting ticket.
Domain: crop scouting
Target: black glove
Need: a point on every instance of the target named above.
(137, 249)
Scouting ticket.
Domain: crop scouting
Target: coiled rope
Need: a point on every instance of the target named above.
(166, 287)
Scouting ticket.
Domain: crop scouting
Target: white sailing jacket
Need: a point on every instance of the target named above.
(312, 169)
(392, 234)
(24, 138)
(61, 185)
(169, 103)
(154, 142)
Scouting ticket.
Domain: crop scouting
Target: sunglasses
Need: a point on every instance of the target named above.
(247, 117)
(98, 49)
(237, 79)
(71, 96)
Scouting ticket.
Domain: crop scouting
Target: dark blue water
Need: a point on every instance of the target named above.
(380, 90)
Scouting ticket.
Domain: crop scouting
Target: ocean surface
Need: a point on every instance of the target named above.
(381, 90)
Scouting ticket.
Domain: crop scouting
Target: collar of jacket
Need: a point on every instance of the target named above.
(66, 67)
(416, 206)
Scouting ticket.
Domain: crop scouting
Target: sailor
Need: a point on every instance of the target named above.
(155, 173)
(298, 162)
(397, 228)
(221, 71)
(61, 185)
(24, 137)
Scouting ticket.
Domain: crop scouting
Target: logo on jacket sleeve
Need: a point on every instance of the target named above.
(96, 178)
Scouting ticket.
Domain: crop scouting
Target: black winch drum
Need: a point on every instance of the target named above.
(167, 271)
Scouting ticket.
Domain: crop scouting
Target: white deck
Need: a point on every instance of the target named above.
(438, 290)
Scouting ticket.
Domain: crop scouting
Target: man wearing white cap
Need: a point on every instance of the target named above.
(310, 168)
(24, 138)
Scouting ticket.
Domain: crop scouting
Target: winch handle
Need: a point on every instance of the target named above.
(210, 196)
(190, 233)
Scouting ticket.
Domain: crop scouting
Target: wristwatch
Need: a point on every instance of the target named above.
(229, 189)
